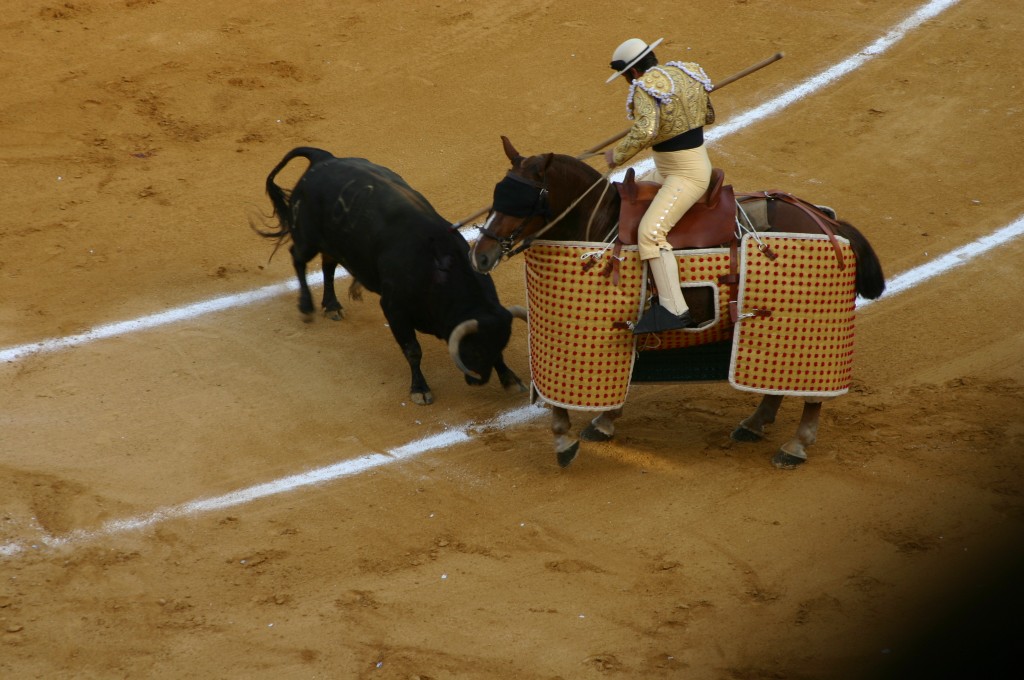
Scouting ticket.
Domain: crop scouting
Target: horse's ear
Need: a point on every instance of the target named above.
(547, 162)
(510, 152)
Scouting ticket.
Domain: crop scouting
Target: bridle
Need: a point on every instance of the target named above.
(508, 195)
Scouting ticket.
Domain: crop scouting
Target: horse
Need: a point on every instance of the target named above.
(562, 199)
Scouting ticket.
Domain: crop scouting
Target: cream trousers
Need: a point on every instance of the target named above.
(684, 177)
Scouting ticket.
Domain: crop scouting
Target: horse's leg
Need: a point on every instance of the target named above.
(332, 308)
(752, 428)
(601, 428)
(794, 453)
(565, 447)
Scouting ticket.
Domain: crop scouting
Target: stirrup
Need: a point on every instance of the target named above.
(657, 319)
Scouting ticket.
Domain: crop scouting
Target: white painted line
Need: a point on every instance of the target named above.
(450, 437)
(927, 11)
(153, 320)
(950, 261)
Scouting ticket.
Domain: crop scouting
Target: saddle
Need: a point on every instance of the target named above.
(710, 222)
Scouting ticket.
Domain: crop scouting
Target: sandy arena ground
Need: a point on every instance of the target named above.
(136, 136)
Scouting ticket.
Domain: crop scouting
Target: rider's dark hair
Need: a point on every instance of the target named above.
(645, 63)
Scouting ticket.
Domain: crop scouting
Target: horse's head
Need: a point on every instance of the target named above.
(531, 200)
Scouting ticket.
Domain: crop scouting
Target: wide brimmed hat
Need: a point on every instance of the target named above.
(631, 51)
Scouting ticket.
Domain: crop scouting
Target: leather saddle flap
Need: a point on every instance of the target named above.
(710, 222)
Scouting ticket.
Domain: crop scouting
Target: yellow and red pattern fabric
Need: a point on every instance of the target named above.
(698, 268)
(581, 352)
(805, 345)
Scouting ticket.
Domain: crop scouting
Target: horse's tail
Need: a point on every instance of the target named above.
(279, 196)
(870, 279)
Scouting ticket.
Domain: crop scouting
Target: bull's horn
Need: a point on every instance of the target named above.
(467, 327)
(517, 311)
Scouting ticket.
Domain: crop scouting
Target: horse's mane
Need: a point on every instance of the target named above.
(567, 178)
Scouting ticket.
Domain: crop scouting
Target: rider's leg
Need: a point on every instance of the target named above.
(685, 176)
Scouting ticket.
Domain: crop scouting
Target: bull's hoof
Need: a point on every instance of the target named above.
(787, 461)
(422, 398)
(742, 434)
(568, 455)
(592, 434)
(514, 385)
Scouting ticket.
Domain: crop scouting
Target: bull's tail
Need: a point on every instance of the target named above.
(279, 196)
(870, 279)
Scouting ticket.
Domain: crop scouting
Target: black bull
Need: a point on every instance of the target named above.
(365, 218)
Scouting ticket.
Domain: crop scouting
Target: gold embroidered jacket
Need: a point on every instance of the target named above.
(664, 102)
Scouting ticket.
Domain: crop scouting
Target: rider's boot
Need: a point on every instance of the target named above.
(669, 312)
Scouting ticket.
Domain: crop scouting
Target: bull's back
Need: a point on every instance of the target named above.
(367, 217)
(372, 185)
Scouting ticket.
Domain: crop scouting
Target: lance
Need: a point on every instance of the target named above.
(596, 149)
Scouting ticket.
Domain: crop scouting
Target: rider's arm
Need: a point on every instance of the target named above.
(644, 130)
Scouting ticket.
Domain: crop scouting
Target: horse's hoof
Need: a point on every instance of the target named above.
(308, 317)
(787, 461)
(592, 434)
(568, 455)
(422, 398)
(742, 434)
(334, 314)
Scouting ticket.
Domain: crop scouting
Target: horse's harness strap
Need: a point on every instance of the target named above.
(824, 222)
(613, 264)
(528, 182)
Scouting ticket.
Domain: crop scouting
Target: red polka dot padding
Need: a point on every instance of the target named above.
(578, 357)
(581, 354)
(805, 346)
(699, 268)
